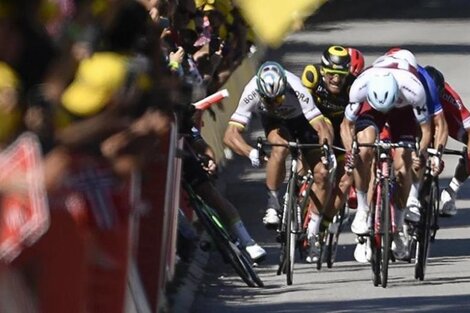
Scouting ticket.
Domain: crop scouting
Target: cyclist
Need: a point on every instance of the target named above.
(389, 92)
(284, 105)
(439, 125)
(199, 169)
(458, 120)
(329, 83)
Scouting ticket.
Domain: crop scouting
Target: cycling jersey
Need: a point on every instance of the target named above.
(456, 114)
(433, 101)
(297, 101)
(331, 105)
(411, 92)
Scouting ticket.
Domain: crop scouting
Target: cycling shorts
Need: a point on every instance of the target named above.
(401, 122)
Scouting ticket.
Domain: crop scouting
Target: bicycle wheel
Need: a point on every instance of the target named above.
(386, 231)
(249, 267)
(291, 229)
(376, 240)
(321, 247)
(429, 193)
(332, 242)
(222, 240)
(436, 204)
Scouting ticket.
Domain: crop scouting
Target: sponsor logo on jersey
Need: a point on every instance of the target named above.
(252, 96)
(302, 97)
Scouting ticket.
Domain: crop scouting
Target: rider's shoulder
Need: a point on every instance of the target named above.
(311, 75)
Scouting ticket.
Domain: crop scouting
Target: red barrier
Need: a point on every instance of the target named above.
(156, 228)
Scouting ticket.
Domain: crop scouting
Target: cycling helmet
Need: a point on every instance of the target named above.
(382, 92)
(336, 59)
(357, 61)
(403, 54)
(271, 80)
(436, 76)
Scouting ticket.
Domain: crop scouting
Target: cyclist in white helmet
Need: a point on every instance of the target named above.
(388, 92)
(284, 104)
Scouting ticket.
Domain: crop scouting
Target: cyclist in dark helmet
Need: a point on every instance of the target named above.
(328, 83)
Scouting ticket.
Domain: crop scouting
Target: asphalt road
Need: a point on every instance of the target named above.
(347, 287)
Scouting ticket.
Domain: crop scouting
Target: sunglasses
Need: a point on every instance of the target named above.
(330, 71)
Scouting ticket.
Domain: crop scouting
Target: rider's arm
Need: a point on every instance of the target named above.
(324, 130)
(347, 133)
(240, 118)
(348, 126)
(234, 140)
(426, 135)
(441, 131)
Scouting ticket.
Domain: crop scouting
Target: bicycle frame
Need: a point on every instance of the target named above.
(383, 210)
(291, 222)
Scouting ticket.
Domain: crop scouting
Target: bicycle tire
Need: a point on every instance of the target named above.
(375, 242)
(436, 204)
(290, 230)
(424, 237)
(246, 259)
(387, 232)
(321, 248)
(333, 238)
(222, 240)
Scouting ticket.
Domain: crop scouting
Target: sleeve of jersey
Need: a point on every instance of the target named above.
(310, 77)
(242, 115)
(433, 103)
(357, 95)
(309, 109)
(464, 113)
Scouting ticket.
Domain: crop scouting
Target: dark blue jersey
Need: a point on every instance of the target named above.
(433, 101)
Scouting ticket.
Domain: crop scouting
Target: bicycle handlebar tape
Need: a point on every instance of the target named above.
(212, 99)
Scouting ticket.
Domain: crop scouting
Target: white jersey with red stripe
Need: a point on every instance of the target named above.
(411, 90)
(297, 101)
(456, 114)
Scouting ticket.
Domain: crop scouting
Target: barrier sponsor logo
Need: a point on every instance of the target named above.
(24, 211)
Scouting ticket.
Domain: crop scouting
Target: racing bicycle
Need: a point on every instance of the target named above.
(382, 208)
(291, 228)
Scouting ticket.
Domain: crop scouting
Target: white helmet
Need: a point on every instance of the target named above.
(405, 55)
(382, 92)
(271, 80)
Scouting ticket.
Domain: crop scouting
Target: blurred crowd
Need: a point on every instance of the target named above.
(99, 82)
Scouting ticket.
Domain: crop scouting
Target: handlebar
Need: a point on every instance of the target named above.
(295, 146)
(385, 145)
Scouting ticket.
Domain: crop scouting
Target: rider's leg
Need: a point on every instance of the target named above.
(461, 174)
(362, 175)
(338, 195)
(230, 216)
(413, 205)
(275, 175)
(402, 164)
(449, 194)
(321, 188)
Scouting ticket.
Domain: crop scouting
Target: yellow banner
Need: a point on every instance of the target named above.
(272, 20)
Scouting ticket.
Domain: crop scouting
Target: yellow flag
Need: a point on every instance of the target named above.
(272, 20)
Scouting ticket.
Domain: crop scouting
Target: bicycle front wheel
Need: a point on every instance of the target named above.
(425, 231)
(222, 241)
(291, 230)
(333, 237)
(386, 231)
(375, 243)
